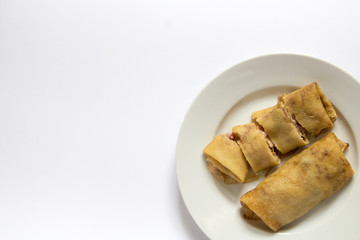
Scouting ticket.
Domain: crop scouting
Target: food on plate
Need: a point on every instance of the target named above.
(300, 184)
(279, 129)
(282, 129)
(225, 160)
(256, 146)
(311, 109)
(305, 180)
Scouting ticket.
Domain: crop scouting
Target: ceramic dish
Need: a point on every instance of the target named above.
(229, 100)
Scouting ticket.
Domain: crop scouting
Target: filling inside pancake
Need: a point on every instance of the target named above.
(291, 117)
(220, 171)
(268, 140)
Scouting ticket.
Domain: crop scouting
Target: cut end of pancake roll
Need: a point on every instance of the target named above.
(225, 160)
(257, 147)
(300, 184)
(311, 109)
(282, 129)
(221, 172)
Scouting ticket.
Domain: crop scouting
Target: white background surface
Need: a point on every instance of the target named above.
(93, 93)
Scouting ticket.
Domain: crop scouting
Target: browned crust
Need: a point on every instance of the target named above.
(300, 184)
(255, 147)
(227, 159)
(311, 109)
(281, 127)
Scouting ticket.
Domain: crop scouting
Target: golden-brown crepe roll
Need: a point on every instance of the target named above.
(311, 109)
(225, 160)
(256, 146)
(282, 129)
(300, 184)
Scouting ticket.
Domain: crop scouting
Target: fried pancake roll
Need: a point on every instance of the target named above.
(300, 184)
(256, 146)
(225, 160)
(282, 129)
(311, 109)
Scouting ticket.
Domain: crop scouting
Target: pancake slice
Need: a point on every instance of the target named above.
(256, 146)
(282, 129)
(225, 160)
(311, 109)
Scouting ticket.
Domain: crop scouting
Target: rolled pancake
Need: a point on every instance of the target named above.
(281, 128)
(311, 108)
(256, 147)
(300, 184)
(225, 160)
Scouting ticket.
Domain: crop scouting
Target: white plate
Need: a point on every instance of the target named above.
(228, 101)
